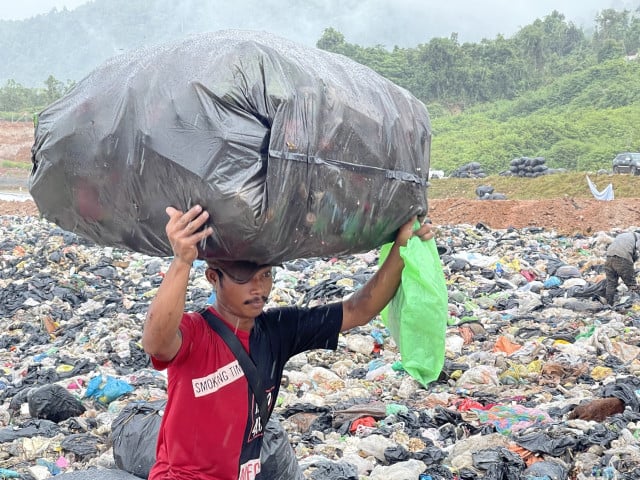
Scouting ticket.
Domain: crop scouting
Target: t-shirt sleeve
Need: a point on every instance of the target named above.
(187, 326)
(302, 329)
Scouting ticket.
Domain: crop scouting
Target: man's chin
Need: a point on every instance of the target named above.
(256, 306)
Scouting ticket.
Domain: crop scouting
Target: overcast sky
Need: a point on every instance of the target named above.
(21, 9)
(423, 19)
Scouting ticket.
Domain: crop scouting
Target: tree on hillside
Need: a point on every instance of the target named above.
(331, 40)
(15, 98)
(545, 42)
(55, 89)
(617, 28)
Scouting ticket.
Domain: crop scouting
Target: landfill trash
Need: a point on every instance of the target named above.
(519, 360)
(274, 139)
(134, 434)
(105, 389)
(529, 167)
(487, 192)
(469, 170)
(53, 402)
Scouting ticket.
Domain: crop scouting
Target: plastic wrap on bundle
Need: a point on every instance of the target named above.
(293, 151)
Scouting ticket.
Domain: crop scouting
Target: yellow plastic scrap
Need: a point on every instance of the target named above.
(514, 372)
(513, 265)
(472, 234)
(64, 368)
(345, 282)
(600, 373)
(535, 367)
(150, 293)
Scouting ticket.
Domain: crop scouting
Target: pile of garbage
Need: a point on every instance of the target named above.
(487, 192)
(469, 170)
(529, 167)
(540, 379)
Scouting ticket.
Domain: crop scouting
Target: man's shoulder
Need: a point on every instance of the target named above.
(192, 321)
(300, 310)
(279, 312)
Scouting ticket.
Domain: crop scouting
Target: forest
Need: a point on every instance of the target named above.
(548, 91)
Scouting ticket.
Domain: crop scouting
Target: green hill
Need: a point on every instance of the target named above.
(579, 122)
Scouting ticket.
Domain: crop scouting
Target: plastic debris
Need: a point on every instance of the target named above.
(539, 381)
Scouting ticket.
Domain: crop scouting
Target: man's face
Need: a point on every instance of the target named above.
(245, 300)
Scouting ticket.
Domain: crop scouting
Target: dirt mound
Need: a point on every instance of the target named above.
(16, 139)
(567, 216)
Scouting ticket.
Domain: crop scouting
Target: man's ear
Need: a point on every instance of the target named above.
(212, 277)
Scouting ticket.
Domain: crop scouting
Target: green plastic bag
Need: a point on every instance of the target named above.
(417, 314)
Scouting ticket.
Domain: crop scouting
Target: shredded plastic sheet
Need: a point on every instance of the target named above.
(511, 418)
(294, 151)
(606, 194)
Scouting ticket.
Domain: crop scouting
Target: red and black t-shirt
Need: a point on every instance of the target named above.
(211, 426)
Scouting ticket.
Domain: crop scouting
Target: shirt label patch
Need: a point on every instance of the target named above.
(250, 470)
(216, 380)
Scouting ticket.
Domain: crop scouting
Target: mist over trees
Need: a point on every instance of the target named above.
(549, 90)
(446, 71)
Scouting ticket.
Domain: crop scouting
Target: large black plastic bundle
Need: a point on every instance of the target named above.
(294, 151)
(528, 167)
(469, 170)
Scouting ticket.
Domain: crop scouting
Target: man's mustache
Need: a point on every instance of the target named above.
(264, 299)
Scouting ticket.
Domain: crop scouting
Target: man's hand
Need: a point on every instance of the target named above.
(182, 230)
(407, 231)
(367, 302)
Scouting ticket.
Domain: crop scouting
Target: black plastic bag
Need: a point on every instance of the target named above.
(498, 463)
(294, 151)
(546, 469)
(97, 474)
(554, 443)
(134, 435)
(277, 456)
(328, 470)
(83, 445)
(28, 429)
(624, 389)
(54, 402)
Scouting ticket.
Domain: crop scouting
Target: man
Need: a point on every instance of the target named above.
(211, 427)
(622, 253)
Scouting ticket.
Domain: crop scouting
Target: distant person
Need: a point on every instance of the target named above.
(619, 264)
(211, 428)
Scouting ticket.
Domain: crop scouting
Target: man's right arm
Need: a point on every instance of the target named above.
(161, 334)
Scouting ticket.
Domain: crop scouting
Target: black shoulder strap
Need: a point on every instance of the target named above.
(245, 361)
